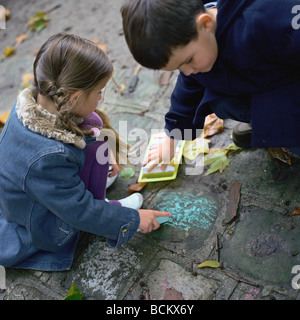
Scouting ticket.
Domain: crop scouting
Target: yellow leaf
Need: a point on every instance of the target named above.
(4, 117)
(27, 77)
(101, 46)
(8, 52)
(210, 264)
(193, 148)
(217, 161)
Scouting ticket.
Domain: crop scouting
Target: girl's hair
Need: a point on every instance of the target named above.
(153, 28)
(65, 64)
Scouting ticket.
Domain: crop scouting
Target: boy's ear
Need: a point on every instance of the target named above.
(204, 22)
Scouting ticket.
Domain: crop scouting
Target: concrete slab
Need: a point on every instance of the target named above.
(258, 250)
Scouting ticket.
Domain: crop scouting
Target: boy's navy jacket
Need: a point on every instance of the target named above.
(259, 56)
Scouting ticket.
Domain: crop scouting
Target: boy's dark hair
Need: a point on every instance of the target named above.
(153, 28)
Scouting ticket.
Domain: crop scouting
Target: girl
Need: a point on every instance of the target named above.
(52, 181)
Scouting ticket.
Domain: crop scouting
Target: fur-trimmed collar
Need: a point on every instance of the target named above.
(39, 120)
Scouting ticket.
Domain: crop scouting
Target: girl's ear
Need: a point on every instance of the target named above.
(74, 97)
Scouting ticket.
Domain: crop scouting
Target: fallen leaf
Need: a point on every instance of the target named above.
(209, 264)
(7, 14)
(232, 147)
(176, 239)
(234, 199)
(122, 88)
(4, 117)
(9, 51)
(127, 172)
(212, 125)
(217, 158)
(39, 21)
(280, 154)
(73, 293)
(172, 294)
(296, 211)
(137, 187)
(101, 46)
(26, 80)
(217, 161)
(193, 148)
(21, 38)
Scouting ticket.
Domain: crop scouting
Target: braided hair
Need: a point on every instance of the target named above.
(65, 64)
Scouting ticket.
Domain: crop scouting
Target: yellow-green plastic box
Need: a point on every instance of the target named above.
(157, 174)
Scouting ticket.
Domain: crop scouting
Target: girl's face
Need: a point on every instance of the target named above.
(85, 104)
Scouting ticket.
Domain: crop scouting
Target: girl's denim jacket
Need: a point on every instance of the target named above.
(44, 203)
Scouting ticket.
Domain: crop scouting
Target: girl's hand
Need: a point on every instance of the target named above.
(115, 170)
(163, 152)
(115, 167)
(148, 220)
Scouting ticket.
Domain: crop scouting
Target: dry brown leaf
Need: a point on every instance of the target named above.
(21, 38)
(137, 187)
(296, 211)
(172, 294)
(7, 14)
(233, 204)
(101, 46)
(280, 154)
(212, 125)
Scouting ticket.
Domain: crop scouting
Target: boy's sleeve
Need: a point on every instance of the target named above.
(53, 181)
(185, 100)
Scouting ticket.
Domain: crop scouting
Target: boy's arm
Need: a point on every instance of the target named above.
(185, 100)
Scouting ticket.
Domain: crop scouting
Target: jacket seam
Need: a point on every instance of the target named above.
(62, 151)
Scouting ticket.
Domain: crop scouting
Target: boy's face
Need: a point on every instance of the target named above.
(198, 55)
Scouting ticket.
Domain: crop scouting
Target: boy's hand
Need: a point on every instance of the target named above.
(163, 152)
(148, 220)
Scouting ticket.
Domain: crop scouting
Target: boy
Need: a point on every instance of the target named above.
(238, 59)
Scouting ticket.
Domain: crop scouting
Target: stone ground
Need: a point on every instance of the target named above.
(258, 250)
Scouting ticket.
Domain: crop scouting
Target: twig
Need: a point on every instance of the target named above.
(54, 8)
(217, 248)
(242, 280)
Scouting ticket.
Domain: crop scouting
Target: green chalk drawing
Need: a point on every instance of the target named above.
(188, 210)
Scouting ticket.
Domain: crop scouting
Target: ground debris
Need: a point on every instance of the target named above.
(234, 199)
